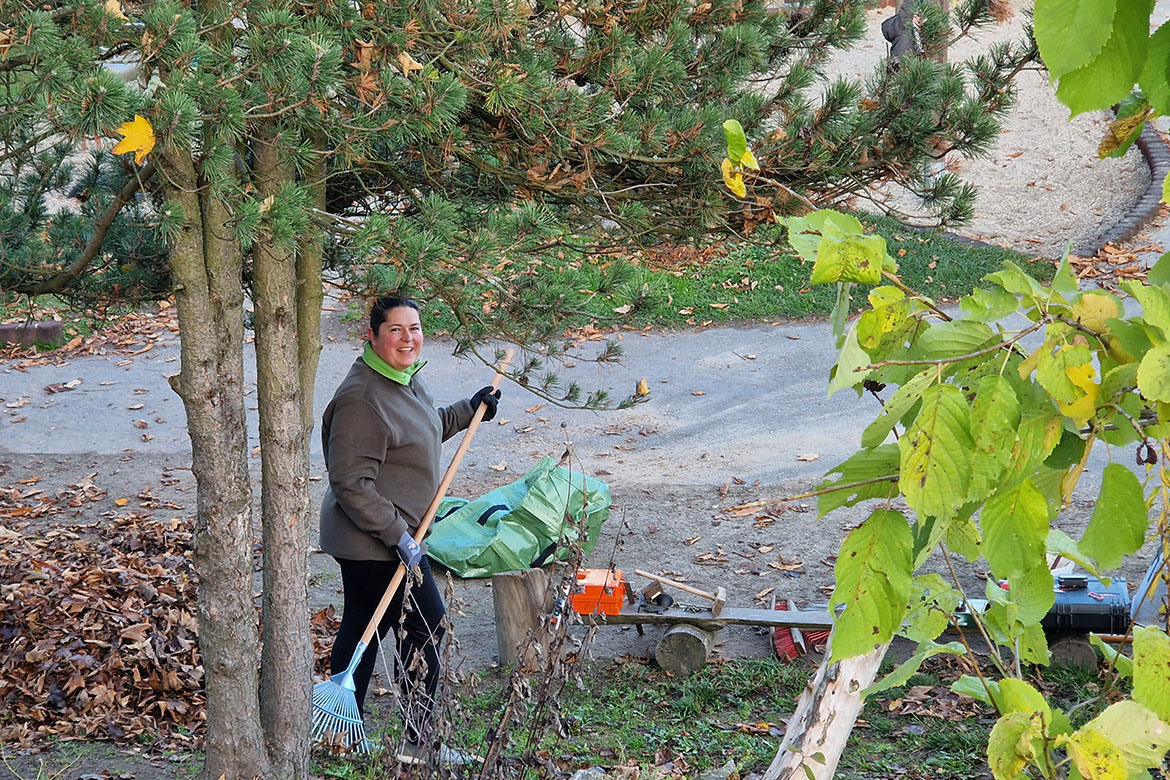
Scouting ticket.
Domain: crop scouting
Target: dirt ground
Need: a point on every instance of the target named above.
(676, 529)
(673, 487)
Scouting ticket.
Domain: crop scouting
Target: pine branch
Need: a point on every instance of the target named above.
(101, 226)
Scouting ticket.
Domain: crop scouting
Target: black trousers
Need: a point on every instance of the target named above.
(418, 631)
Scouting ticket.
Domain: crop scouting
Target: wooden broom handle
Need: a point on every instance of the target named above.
(425, 524)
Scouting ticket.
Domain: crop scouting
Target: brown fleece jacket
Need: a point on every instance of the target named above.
(382, 443)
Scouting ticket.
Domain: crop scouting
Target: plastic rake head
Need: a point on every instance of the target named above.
(337, 723)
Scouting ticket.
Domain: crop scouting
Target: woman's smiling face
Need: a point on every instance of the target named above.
(399, 339)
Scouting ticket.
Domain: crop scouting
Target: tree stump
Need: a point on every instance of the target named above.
(520, 599)
(684, 648)
(1073, 651)
(26, 334)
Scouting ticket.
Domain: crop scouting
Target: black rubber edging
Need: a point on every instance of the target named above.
(1157, 157)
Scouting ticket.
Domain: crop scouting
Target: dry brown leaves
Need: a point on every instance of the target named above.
(1112, 264)
(98, 637)
(935, 701)
(127, 335)
(98, 629)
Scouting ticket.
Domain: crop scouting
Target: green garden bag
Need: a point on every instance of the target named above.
(519, 525)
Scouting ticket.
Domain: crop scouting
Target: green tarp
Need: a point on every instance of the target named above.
(520, 524)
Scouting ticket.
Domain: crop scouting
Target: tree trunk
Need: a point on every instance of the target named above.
(287, 663)
(209, 301)
(310, 296)
(824, 717)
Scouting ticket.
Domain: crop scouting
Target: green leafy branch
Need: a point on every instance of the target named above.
(995, 437)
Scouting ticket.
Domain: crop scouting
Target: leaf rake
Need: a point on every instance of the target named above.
(337, 721)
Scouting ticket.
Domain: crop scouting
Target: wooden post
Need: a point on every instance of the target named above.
(684, 648)
(824, 718)
(520, 599)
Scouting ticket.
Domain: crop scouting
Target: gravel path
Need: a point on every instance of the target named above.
(1042, 185)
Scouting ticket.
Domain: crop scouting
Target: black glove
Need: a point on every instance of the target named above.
(486, 395)
(408, 550)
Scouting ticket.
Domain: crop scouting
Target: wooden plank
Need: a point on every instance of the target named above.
(727, 617)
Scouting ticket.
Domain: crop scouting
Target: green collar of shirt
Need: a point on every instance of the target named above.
(375, 362)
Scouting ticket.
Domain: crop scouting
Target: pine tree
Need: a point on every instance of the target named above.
(405, 145)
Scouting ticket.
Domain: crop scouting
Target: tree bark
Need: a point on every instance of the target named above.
(310, 296)
(207, 270)
(287, 663)
(824, 718)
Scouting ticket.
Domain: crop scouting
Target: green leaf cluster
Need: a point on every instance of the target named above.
(988, 417)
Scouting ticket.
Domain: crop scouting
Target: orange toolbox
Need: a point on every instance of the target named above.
(602, 590)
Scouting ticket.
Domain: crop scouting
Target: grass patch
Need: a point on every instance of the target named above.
(634, 714)
(758, 280)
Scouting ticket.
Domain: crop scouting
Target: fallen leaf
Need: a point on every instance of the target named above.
(692, 540)
(499, 466)
(532, 409)
(121, 501)
(808, 457)
(642, 389)
(697, 392)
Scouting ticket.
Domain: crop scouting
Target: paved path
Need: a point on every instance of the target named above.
(726, 402)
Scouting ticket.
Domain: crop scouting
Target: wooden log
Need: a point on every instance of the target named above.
(520, 598)
(824, 718)
(684, 648)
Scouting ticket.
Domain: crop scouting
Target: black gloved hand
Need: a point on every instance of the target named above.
(486, 395)
(408, 550)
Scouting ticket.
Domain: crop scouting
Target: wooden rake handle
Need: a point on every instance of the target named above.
(425, 524)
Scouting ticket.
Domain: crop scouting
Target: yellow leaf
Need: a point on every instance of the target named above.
(1094, 309)
(643, 387)
(408, 64)
(1084, 407)
(121, 501)
(749, 160)
(1120, 130)
(137, 137)
(114, 8)
(733, 179)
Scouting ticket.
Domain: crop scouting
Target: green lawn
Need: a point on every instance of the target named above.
(737, 281)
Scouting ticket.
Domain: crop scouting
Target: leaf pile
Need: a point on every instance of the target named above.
(97, 634)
